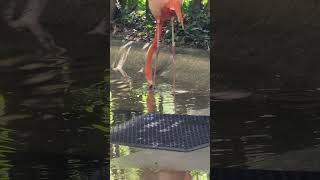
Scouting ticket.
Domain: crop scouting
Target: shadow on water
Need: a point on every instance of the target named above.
(53, 108)
(131, 98)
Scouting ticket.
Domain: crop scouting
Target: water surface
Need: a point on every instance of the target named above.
(52, 108)
(268, 128)
(132, 99)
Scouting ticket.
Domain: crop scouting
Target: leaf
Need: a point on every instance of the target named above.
(102, 128)
(90, 108)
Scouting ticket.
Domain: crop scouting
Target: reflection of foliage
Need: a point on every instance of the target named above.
(164, 102)
(199, 175)
(119, 150)
(5, 148)
(135, 24)
(115, 172)
(110, 110)
(88, 98)
(2, 104)
(92, 100)
(101, 128)
(168, 104)
(130, 174)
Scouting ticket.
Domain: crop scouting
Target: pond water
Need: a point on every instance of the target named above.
(130, 99)
(53, 108)
(268, 129)
(54, 111)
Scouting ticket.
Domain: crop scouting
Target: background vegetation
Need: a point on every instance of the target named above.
(132, 20)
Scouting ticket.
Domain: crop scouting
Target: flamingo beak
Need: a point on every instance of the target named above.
(177, 9)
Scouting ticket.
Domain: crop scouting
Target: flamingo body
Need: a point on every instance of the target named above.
(162, 10)
(166, 9)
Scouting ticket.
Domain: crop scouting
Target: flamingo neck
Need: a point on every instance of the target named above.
(154, 45)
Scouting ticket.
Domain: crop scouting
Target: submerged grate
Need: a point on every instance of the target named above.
(164, 131)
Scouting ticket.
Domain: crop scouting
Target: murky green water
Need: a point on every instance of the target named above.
(265, 125)
(52, 108)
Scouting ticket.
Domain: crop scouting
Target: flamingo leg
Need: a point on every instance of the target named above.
(173, 50)
(157, 53)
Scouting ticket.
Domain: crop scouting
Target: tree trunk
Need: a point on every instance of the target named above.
(112, 8)
(196, 5)
(123, 4)
(208, 8)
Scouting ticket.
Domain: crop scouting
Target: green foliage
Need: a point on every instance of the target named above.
(204, 2)
(186, 5)
(196, 33)
(133, 24)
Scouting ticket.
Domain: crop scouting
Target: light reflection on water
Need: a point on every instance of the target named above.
(7, 147)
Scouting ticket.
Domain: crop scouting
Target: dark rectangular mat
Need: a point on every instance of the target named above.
(164, 131)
